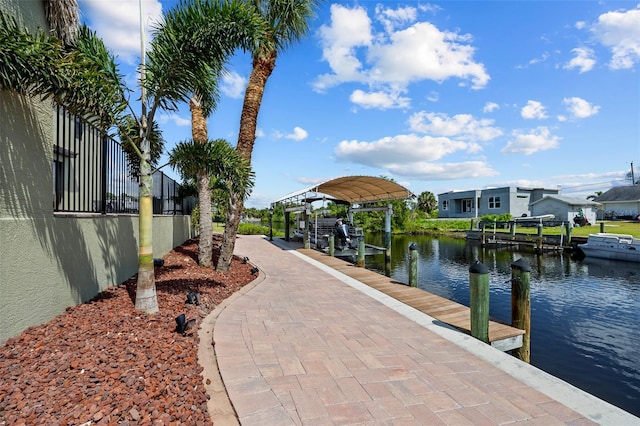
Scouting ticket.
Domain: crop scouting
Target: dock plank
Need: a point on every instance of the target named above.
(440, 308)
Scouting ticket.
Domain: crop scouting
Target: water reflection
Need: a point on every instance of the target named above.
(585, 315)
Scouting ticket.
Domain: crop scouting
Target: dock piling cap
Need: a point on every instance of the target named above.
(522, 265)
(478, 268)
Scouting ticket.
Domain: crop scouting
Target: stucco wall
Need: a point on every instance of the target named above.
(53, 263)
(50, 262)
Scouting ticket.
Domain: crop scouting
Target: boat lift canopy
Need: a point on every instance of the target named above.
(350, 190)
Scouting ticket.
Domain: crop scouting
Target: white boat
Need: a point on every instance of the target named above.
(612, 246)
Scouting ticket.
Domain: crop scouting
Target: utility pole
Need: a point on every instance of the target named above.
(633, 177)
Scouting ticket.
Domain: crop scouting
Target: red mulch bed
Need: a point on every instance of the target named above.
(103, 362)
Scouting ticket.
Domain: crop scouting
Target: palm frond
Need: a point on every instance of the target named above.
(81, 75)
(218, 159)
(191, 45)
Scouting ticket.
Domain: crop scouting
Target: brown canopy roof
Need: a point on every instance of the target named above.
(352, 189)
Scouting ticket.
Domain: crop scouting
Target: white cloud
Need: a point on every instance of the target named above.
(298, 134)
(413, 156)
(400, 149)
(118, 24)
(391, 18)
(379, 100)
(583, 60)
(233, 85)
(620, 31)
(579, 108)
(490, 107)
(165, 118)
(423, 52)
(533, 110)
(443, 171)
(349, 29)
(391, 59)
(539, 139)
(460, 126)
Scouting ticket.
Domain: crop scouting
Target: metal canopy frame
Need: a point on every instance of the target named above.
(351, 190)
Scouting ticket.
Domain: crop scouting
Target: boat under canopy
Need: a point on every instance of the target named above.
(350, 190)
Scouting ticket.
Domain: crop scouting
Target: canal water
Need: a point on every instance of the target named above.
(585, 315)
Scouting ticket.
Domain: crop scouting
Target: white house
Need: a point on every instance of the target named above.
(621, 202)
(565, 208)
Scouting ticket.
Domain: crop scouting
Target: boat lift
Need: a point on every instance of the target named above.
(358, 192)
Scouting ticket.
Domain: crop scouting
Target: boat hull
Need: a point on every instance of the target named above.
(612, 247)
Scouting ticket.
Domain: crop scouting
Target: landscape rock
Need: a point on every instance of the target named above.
(103, 362)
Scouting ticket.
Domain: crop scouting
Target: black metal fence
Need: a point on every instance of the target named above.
(91, 173)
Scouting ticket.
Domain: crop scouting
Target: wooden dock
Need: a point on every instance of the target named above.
(501, 336)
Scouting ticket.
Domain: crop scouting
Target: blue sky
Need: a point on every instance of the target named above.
(439, 96)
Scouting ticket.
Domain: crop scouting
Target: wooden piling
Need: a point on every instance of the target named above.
(479, 301)
(521, 305)
(332, 245)
(540, 239)
(361, 253)
(413, 265)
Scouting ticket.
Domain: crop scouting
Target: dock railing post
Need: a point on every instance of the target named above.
(332, 245)
(540, 239)
(521, 305)
(413, 265)
(479, 301)
(387, 239)
(361, 253)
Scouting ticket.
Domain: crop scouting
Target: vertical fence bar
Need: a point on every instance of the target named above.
(103, 173)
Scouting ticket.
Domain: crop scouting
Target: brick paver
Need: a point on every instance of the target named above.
(302, 347)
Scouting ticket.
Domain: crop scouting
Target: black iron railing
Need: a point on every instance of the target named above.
(91, 173)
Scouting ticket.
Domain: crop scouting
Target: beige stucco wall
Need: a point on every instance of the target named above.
(50, 262)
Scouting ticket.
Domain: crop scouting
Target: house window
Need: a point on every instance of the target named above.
(467, 205)
(494, 202)
(445, 205)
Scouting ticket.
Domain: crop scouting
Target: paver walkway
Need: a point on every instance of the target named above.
(304, 347)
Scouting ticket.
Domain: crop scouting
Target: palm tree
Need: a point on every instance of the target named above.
(287, 22)
(193, 39)
(427, 202)
(228, 171)
(594, 195)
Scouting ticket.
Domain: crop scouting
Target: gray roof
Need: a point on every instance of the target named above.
(573, 201)
(621, 193)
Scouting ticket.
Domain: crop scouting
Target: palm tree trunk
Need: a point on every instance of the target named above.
(146, 299)
(262, 69)
(232, 221)
(199, 134)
